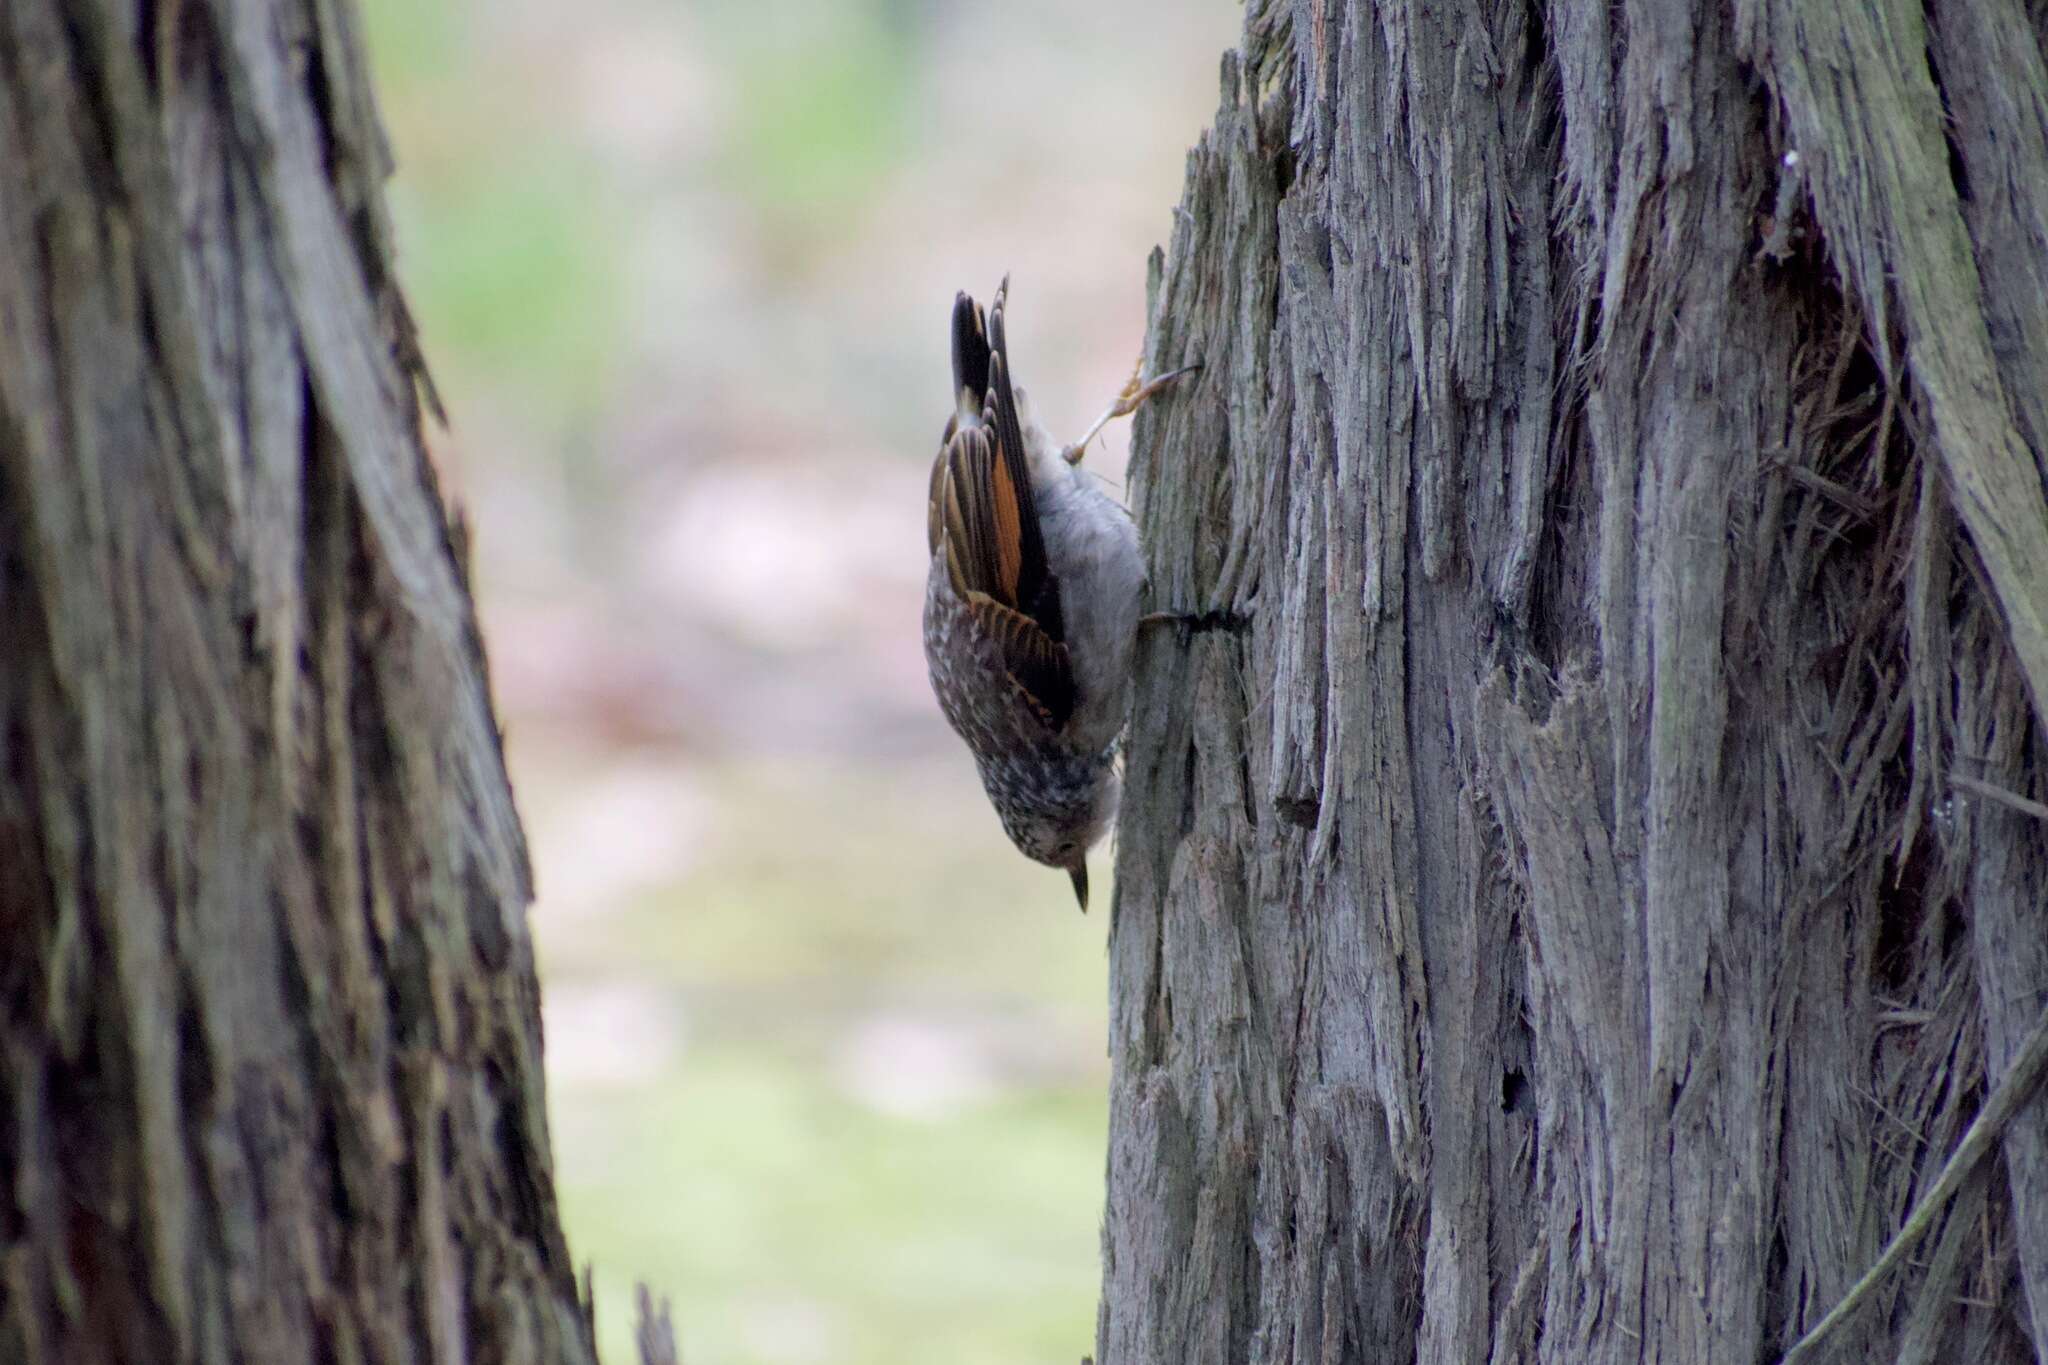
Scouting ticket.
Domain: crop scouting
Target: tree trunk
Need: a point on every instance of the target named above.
(1575, 883)
(270, 1080)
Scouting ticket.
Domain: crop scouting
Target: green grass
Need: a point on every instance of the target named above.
(517, 276)
(830, 92)
(750, 1178)
(511, 236)
(755, 1197)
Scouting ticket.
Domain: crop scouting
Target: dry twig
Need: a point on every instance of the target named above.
(2011, 1096)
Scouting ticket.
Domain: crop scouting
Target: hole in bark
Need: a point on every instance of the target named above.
(1955, 931)
(1781, 1295)
(487, 933)
(26, 893)
(1301, 810)
(195, 1059)
(1844, 524)
(1514, 1090)
(1538, 37)
(193, 47)
(95, 145)
(322, 100)
(1957, 170)
(325, 1349)
(527, 1206)
(145, 41)
(1247, 788)
(1958, 173)
(1901, 906)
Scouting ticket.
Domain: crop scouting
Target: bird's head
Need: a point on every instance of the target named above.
(1060, 832)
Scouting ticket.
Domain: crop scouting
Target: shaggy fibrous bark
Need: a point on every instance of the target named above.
(270, 1080)
(1571, 893)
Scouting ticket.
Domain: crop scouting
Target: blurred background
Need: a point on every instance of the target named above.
(826, 1057)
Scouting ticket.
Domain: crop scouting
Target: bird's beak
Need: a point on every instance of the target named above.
(1080, 875)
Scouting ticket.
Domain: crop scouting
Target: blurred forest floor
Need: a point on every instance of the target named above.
(825, 1056)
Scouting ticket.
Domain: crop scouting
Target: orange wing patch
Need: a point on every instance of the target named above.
(1006, 520)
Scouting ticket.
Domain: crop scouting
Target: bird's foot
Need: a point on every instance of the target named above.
(1188, 624)
(1128, 400)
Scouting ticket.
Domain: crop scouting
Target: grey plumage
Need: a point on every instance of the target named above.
(1031, 605)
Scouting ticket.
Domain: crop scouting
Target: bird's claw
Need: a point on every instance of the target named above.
(1129, 399)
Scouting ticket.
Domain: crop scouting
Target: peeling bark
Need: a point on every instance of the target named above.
(1547, 929)
(270, 1081)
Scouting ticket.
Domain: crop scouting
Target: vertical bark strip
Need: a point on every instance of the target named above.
(1613, 507)
(270, 1080)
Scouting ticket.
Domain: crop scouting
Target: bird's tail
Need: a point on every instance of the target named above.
(970, 350)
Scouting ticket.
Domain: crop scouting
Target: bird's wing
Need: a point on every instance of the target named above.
(983, 518)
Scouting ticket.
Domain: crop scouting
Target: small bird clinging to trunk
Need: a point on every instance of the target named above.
(1031, 604)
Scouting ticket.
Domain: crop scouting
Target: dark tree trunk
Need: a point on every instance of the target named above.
(1576, 888)
(270, 1080)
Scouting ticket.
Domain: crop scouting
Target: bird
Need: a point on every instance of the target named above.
(1031, 600)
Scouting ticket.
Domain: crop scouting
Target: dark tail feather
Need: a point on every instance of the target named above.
(970, 348)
